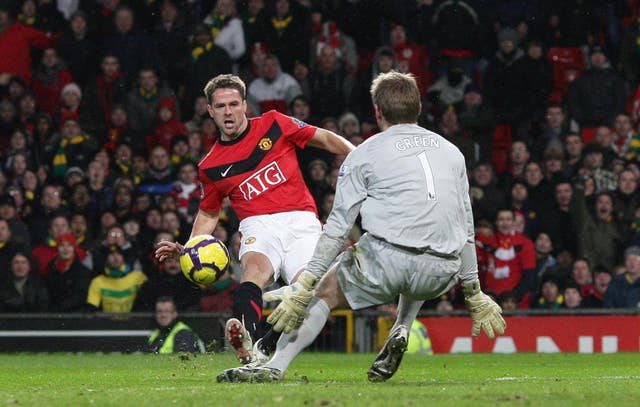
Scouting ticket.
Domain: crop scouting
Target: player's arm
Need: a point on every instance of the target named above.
(204, 224)
(484, 312)
(330, 141)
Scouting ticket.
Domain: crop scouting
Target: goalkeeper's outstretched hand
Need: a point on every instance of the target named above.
(294, 298)
(486, 314)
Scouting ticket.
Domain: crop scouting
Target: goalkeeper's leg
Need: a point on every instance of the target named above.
(328, 296)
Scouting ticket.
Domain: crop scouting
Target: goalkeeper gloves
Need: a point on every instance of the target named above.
(294, 298)
(486, 314)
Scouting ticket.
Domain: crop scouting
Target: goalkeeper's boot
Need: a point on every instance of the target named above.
(240, 340)
(390, 356)
(258, 357)
(248, 374)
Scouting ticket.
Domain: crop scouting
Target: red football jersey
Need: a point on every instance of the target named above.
(259, 170)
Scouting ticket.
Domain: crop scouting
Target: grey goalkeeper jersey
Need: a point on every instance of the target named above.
(410, 186)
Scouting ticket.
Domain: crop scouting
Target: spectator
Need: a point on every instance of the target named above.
(550, 297)
(623, 135)
(605, 138)
(121, 133)
(187, 191)
(166, 280)
(142, 101)
(274, 89)
(206, 59)
(170, 35)
(384, 60)
(285, 35)
(477, 120)
(67, 278)
(172, 335)
(167, 124)
(509, 256)
(226, 29)
(159, 177)
(518, 158)
(199, 112)
(551, 132)
(69, 106)
(77, 49)
(505, 82)
(581, 275)
(595, 297)
(410, 57)
(574, 146)
(539, 79)
(593, 167)
(116, 289)
(486, 197)
(598, 93)
(49, 78)
(24, 291)
(558, 222)
(448, 89)
(101, 94)
(132, 46)
(523, 205)
(79, 228)
(16, 42)
(572, 297)
(626, 198)
(624, 289)
(331, 84)
(8, 247)
(19, 232)
(75, 148)
(599, 234)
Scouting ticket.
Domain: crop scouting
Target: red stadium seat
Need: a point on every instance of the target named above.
(568, 63)
(588, 134)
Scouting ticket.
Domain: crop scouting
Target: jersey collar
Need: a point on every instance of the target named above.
(237, 139)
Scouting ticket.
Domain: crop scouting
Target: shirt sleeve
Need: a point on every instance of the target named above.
(351, 191)
(210, 196)
(296, 131)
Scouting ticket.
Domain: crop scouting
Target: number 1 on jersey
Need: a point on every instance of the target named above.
(431, 186)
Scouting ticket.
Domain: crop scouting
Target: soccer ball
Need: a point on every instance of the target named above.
(204, 259)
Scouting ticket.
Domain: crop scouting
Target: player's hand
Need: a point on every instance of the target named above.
(486, 314)
(166, 249)
(294, 298)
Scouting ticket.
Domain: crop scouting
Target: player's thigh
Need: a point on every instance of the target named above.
(431, 276)
(302, 235)
(329, 290)
(363, 272)
(259, 237)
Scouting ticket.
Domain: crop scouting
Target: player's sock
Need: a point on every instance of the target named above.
(269, 340)
(291, 344)
(247, 306)
(407, 312)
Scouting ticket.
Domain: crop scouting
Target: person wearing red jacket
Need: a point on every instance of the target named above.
(167, 124)
(508, 258)
(16, 41)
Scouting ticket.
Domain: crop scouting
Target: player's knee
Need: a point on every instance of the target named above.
(329, 291)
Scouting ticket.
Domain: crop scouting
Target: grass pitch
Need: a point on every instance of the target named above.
(322, 379)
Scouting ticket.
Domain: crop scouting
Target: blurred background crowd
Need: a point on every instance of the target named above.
(103, 122)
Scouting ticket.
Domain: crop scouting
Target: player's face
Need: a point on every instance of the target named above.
(228, 110)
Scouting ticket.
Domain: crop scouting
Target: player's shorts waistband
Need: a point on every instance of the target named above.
(417, 250)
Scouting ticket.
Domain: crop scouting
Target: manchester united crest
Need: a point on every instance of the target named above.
(265, 144)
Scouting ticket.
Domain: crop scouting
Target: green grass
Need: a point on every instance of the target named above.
(320, 379)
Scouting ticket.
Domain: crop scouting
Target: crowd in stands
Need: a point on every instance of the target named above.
(103, 121)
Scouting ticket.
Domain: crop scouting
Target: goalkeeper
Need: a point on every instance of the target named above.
(410, 187)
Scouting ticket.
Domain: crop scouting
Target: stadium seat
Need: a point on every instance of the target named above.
(502, 138)
(567, 63)
(588, 134)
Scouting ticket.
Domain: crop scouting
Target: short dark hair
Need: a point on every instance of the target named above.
(225, 81)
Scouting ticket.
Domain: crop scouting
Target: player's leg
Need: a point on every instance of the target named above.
(390, 356)
(257, 271)
(303, 231)
(328, 296)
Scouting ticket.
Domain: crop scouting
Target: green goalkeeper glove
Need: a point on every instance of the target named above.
(294, 298)
(486, 314)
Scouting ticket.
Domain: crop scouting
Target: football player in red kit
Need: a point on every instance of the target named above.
(254, 163)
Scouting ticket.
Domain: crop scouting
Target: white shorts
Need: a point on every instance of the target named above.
(288, 239)
(374, 272)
